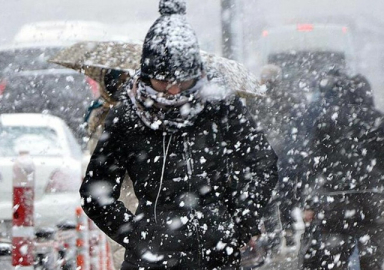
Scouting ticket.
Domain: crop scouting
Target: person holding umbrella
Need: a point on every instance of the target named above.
(201, 170)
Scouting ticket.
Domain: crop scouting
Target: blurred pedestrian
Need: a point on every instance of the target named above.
(344, 199)
(278, 112)
(200, 169)
(279, 116)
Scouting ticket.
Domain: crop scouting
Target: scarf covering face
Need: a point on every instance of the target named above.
(160, 111)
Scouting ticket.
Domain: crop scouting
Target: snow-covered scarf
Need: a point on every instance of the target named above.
(167, 112)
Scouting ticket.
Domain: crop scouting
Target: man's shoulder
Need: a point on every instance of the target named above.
(225, 104)
(122, 112)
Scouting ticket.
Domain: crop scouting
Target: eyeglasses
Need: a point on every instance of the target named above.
(164, 86)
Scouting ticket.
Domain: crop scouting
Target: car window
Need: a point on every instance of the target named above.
(38, 141)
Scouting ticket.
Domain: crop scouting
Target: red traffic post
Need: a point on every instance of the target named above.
(103, 251)
(109, 257)
(94, 246)
(23, 220)
(82, 241)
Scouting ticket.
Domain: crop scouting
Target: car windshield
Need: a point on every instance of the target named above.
(38, 141)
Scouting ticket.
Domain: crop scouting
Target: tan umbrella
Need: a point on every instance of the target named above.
(95, 58)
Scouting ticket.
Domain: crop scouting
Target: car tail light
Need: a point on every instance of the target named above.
(265, 33)
(345, 29)
(95, 88)
(61, 181)
(3, 84)
(305, 27)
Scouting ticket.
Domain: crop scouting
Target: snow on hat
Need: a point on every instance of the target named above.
(171, 50)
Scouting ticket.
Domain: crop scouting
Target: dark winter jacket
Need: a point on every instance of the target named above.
(280, 116)
(344, 157)
(200, 189)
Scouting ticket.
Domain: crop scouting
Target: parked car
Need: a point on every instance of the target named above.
(29, 84)
(58, 160)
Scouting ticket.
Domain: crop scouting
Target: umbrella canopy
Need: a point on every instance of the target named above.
(94, 59)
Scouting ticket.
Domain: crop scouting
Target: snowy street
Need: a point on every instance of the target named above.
(189, 134)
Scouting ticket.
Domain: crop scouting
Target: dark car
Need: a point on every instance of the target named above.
(306, 51)
(30, 84)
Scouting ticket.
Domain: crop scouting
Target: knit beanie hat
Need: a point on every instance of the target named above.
(171, 50)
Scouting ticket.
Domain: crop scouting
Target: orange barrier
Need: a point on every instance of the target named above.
(106, 256)
(110, 265)
(82, 241)
(94, 246)
(93, 249)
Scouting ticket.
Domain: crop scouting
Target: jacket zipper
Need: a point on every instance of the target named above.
(165, 154)
(195, 220)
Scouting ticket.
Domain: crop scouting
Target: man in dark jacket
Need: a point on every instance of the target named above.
(344, 204)
(201, 171)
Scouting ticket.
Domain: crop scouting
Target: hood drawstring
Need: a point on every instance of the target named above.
(165, 154)
(189, 159)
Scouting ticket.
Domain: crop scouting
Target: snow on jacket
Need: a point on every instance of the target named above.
(201, 189)
(343, 157)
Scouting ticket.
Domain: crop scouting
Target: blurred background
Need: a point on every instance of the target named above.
(250, 18)
(304, 37)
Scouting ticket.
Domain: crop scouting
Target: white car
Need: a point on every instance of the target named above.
(58, 161)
